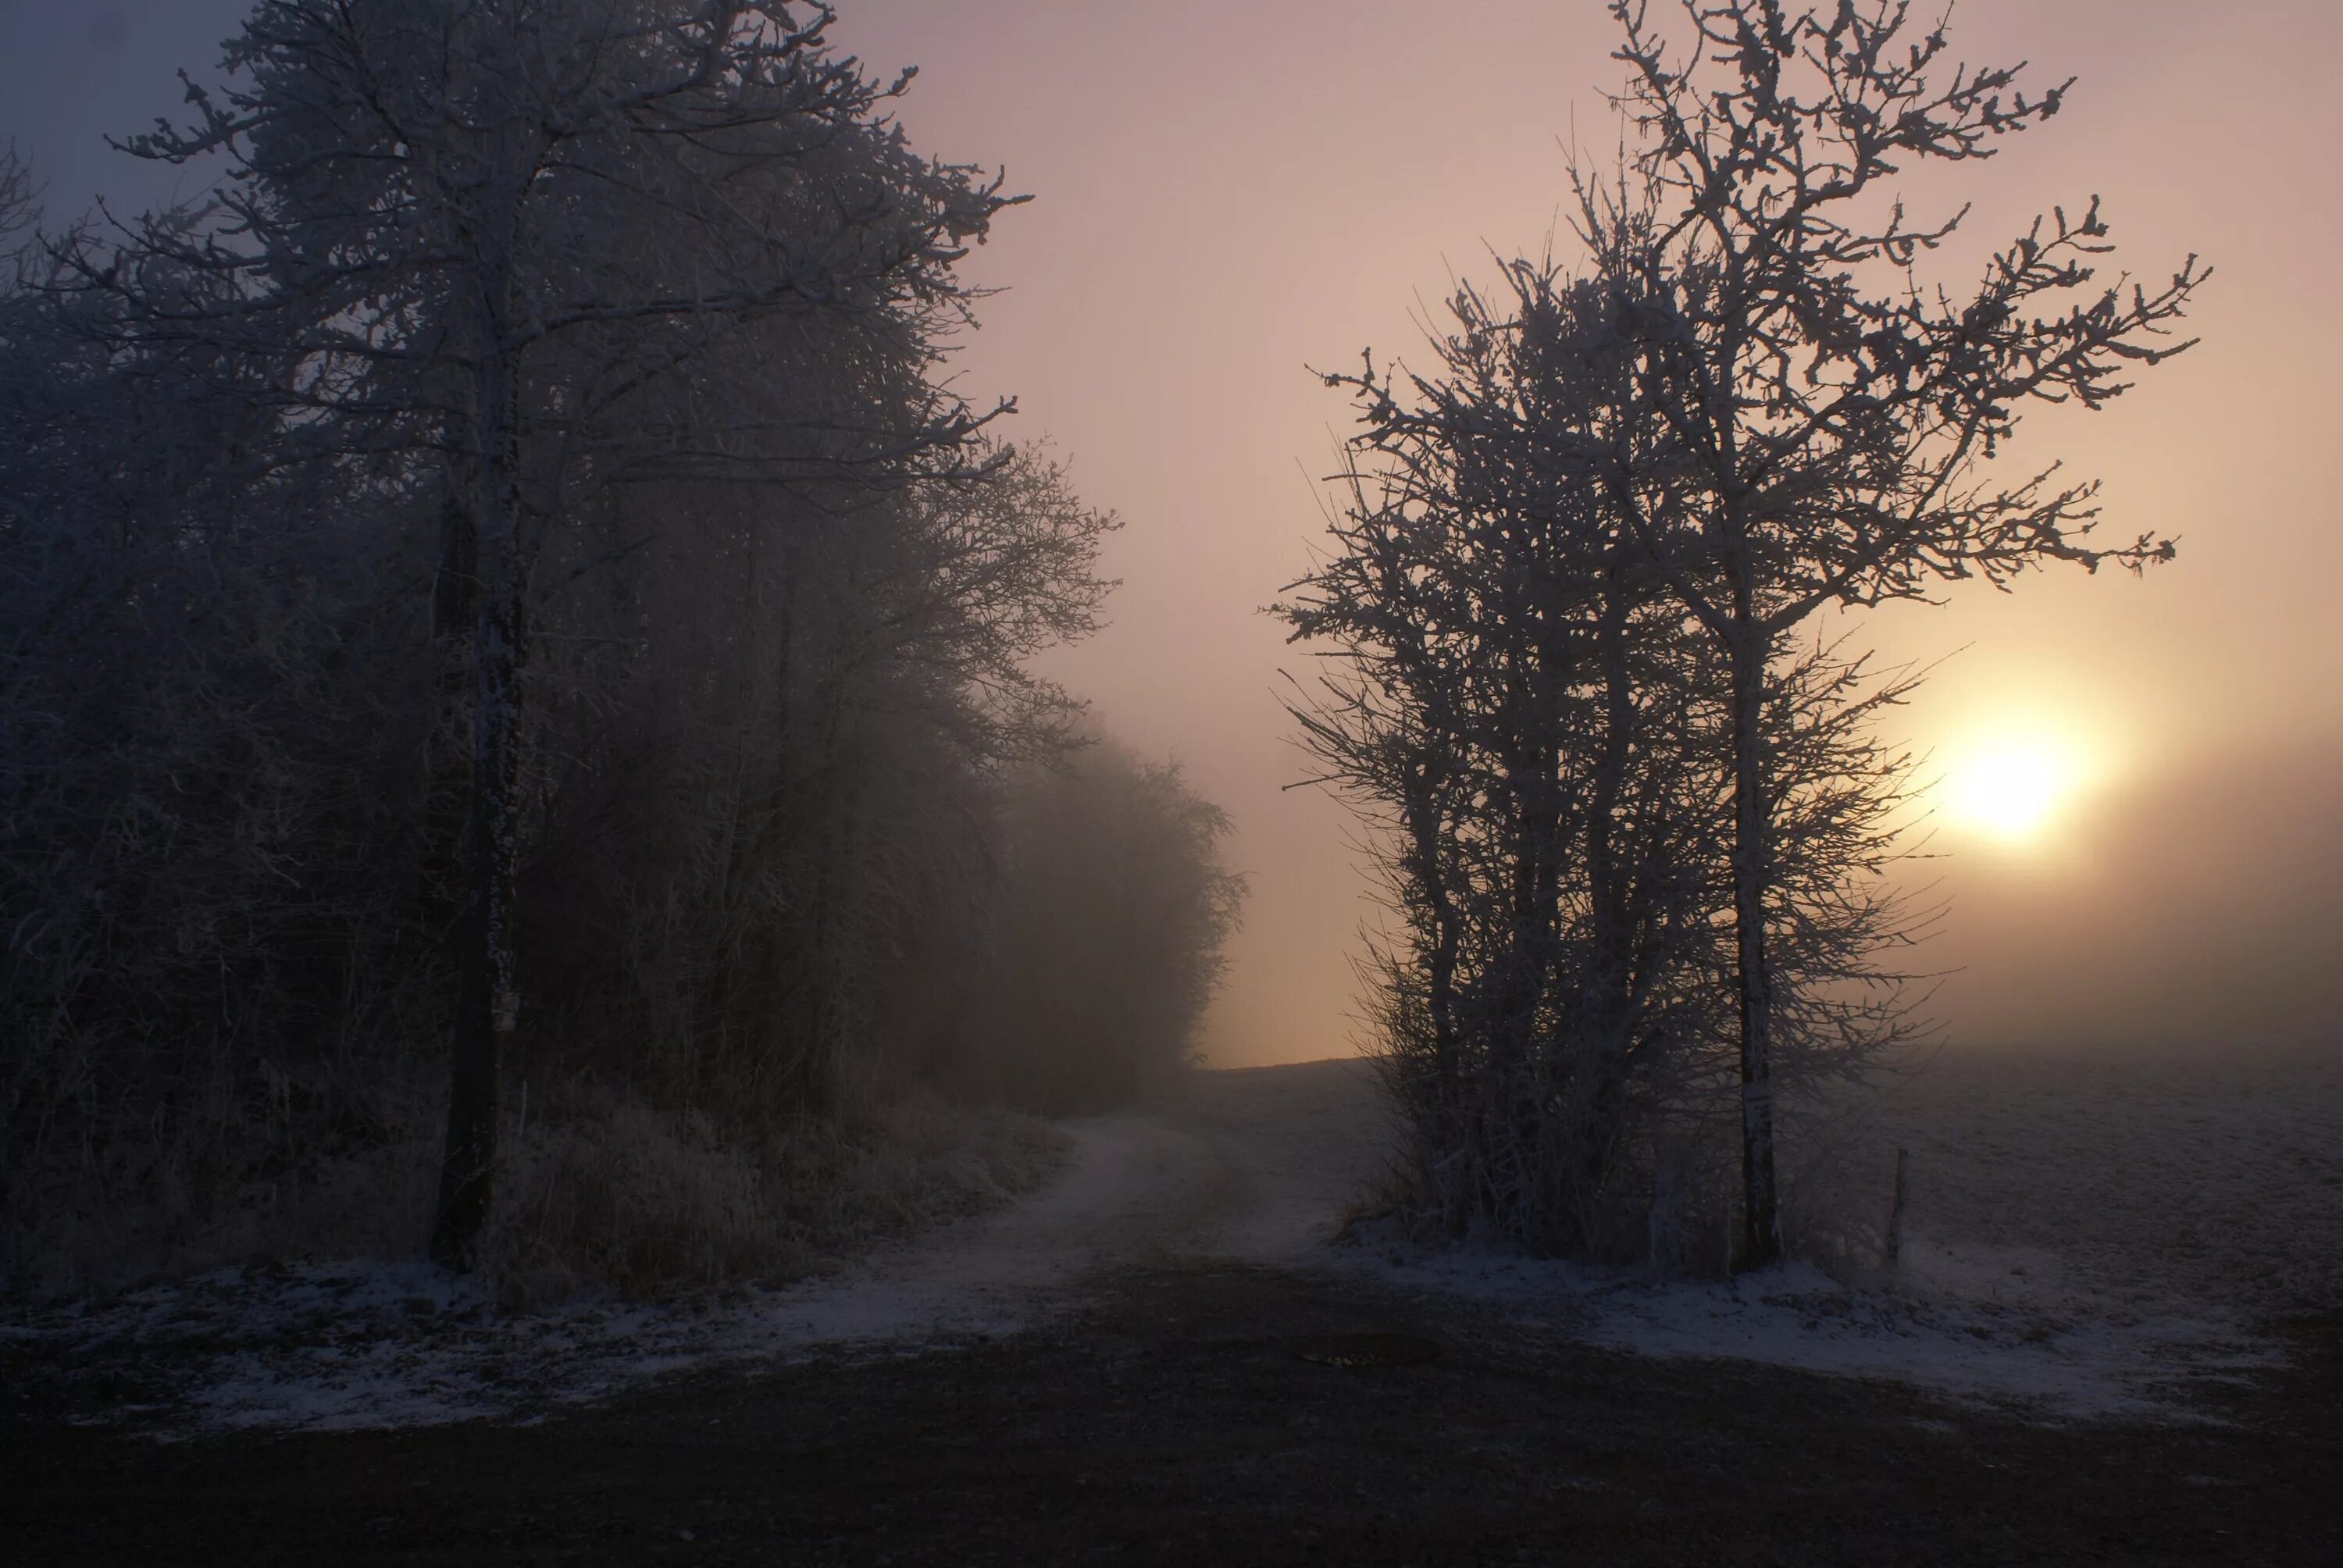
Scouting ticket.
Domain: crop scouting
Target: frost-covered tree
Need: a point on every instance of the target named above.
(19, 207)
(1530, 725)
(526, 483)
(201, 700)
(471, 233)
(1828, 423)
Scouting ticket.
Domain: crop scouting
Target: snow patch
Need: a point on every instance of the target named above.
(1796, 1316)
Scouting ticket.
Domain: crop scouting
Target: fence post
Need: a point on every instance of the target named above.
(1895, 1213)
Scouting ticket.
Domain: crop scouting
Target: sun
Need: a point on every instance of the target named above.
(2011, 787)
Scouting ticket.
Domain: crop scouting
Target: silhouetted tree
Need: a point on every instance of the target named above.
(19, 205)
(784, 734)
(1530, 725)
(201, 703)
(472, 232)
(1823, 422)
(718, 630)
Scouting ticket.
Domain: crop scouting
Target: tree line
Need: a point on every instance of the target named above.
(500, 592)
(1589, 681)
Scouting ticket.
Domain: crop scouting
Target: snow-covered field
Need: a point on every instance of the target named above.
(2121, 1184)
(2086, 1236)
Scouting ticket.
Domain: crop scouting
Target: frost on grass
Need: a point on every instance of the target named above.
(332, 1346)
(2088, 1235)
(1793, 1315)
(2086, 1238)
(328, 1344)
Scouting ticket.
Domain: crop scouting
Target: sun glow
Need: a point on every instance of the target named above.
(2011, 787)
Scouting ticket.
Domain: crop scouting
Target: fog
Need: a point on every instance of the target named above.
(650, 722)
(1228, 195)
(2195, 908)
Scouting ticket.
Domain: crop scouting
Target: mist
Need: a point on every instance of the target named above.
(909, 782)
(2191, 912)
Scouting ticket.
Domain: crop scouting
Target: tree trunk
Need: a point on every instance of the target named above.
(486, 1002)
(1426, 853)
(1440, 997)
(455, 615)
(1760, 1234)
(1611, 1017)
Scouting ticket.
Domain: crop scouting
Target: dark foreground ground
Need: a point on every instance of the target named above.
(1175, 1425)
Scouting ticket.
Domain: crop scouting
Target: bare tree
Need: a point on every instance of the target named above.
(1530, 726)
(1826, 421)
(769, 763)
(1499, 692)
(436, 208)
(198, 699)
(19, 204)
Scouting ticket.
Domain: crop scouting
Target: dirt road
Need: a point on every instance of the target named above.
(1251, 1168)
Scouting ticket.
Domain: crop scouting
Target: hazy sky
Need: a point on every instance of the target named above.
(1228, 194)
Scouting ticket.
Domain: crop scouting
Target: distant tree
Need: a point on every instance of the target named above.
(474, 233)
(1824, 423)
(783, 729)
(1104, 941)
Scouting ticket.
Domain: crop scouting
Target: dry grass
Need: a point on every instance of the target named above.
(268, 1164)
(649, 1203)
(609, 1194)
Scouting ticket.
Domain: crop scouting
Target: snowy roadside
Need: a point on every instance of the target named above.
(2006, 1353)
(1246, 1167)
(2092, 1235)
(2041, 1313)
(359, 1345)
